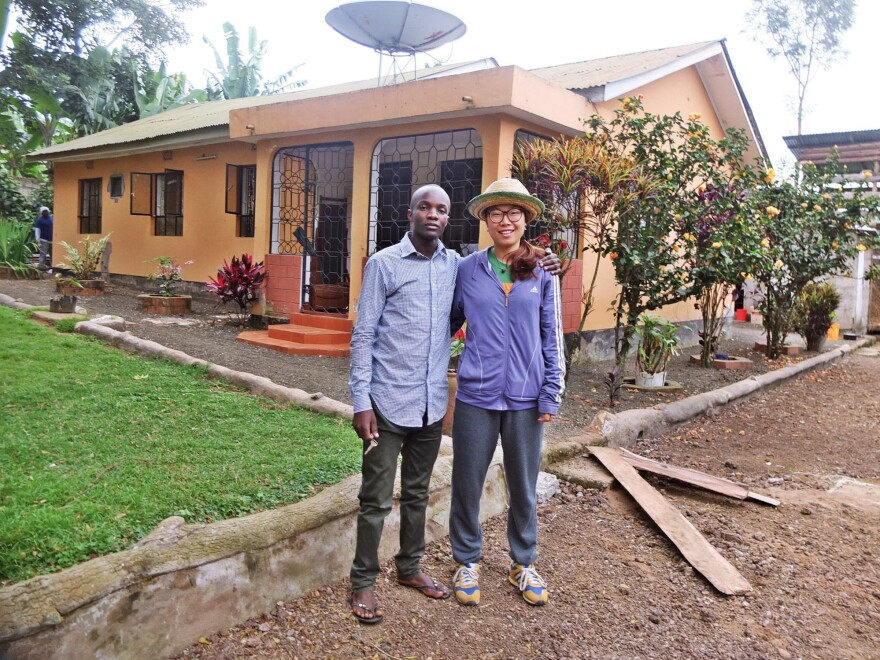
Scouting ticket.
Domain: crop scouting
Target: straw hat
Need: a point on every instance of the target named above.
(506, 191)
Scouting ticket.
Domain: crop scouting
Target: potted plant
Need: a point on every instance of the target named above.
(167, 275)
(813, 313)
(455, 349)
(658, 342)
(81, 268)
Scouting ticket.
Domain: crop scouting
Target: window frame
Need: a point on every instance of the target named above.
(89, 207)
(154, 194)
(241, 193)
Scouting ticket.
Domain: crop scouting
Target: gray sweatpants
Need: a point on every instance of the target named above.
(474, 438)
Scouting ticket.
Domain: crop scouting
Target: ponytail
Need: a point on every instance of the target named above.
(523, 260)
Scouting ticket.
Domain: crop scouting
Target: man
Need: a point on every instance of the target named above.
(399, 359)
(398, 382)
(43, 234)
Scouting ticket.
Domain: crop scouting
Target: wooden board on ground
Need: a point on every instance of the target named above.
(696, 478)
(692, 545)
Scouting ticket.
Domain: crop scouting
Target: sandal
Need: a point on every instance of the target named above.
(425, 588)
(375, 618)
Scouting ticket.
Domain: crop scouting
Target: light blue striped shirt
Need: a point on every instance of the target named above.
(400, 343)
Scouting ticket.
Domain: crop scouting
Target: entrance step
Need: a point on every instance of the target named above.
(306, 334)
(584, 471)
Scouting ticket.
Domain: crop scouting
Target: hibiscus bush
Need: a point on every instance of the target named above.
(813, 224)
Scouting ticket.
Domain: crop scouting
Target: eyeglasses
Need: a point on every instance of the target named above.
(497, 215)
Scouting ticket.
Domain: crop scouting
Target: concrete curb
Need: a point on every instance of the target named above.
(630, 426)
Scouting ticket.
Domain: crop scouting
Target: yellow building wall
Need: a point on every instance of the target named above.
(208, 231)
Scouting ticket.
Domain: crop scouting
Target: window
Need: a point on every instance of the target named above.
(241, 197)
(116, 187)
(160, 196)
(451, 159)
(90, 206)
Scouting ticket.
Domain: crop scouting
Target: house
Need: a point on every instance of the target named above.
(859, 153)
(314, 181)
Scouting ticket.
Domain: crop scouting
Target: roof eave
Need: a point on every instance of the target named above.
(212, 135)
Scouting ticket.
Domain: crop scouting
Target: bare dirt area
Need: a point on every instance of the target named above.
(619, 588)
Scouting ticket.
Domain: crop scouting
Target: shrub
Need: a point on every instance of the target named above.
(238, 282)
(17, 244)
(167, 274)
(83, 261)
(658, 342)
(814, 312)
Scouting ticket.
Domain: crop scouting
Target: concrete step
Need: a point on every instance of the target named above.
(326, 321)
(262, 339)
(304, 334)
(584, 471)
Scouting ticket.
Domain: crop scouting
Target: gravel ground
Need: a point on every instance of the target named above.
(619, 588)
(210, 336)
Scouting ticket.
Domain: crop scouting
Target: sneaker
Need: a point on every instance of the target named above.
(527, 580)
(466, 584)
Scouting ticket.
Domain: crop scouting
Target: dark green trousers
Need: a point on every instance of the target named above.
(419, 448)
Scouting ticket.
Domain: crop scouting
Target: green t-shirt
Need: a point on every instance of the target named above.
(502, 270)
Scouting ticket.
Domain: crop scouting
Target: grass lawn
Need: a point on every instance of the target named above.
(98, 446)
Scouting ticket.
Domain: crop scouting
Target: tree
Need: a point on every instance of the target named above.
(79, 26)
(695, 185)
(582, 185)
(805, 33)
(240, 76)
(810, 228)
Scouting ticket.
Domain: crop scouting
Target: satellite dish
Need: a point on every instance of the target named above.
(397, 29)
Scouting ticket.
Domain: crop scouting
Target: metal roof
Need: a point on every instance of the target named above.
(192, 123)
(202, 123)
(831, 139)
(596, 75)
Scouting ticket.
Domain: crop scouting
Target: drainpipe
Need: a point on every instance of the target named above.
(858, 324)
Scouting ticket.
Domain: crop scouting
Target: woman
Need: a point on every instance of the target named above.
(510, 382)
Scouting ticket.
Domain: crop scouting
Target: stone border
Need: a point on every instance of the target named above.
(182, 581)
(626, 428)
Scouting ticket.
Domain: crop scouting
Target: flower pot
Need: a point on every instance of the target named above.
(62, 304)
(328, 297)
(742, 315)
(644, 379)
(79, 287)
(169, 305)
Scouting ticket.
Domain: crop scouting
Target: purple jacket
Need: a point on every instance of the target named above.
(513, 356)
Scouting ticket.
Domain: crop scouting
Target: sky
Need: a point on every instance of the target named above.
(842, 98)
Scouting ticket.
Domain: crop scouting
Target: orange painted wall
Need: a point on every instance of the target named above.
(208, 232)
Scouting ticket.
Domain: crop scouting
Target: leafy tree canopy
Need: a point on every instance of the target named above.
(807, 34)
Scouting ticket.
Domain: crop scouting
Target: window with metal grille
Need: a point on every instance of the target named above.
(160, 196)
(90, 206)
(451, 159)
(241, 197)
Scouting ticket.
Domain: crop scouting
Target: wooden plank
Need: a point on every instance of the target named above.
(692, 545)
(696, 478)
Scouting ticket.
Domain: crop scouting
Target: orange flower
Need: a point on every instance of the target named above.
(826, 196)
(717, 245)
(861, 247)
(816, 207)
(778, 263)
(772, 211)
(765, 242)
(770, 175)
(694, 116)
(867, 174)
(612, 255)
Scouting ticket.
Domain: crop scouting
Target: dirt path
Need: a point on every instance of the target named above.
(621, 590)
